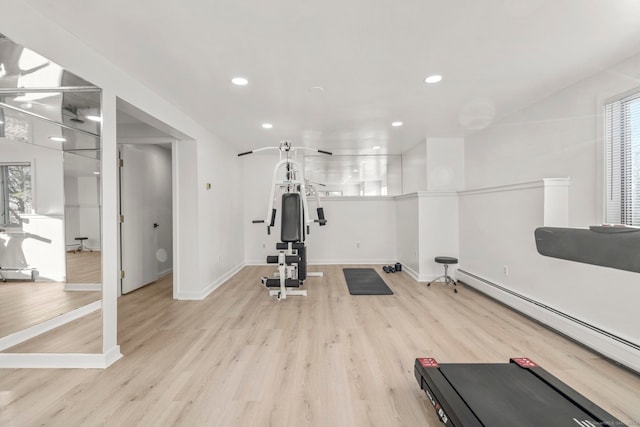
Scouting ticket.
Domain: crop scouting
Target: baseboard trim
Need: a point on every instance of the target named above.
(164, 273)
(48, 325)
(200, 295)
(411, 272)
(58, 360)
(112, 356)
(603, 342)
(83, 287)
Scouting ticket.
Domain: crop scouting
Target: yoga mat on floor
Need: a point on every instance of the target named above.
(365, 281)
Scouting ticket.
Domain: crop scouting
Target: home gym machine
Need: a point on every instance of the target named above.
(295, 222)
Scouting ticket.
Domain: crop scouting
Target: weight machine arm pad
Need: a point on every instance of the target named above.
(321, 218)
(273, 218)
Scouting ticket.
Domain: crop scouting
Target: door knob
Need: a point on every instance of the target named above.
(156, 225)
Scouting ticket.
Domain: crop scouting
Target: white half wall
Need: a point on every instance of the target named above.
(427, 227)
(559, 136)
(359, 230)
(498, 256)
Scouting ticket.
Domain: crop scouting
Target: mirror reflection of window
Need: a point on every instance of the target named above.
(15, 126)
(15, 193)
(355, 175)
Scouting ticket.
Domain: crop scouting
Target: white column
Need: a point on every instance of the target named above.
(110, 248)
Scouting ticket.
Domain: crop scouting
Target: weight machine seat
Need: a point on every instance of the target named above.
(291, 224)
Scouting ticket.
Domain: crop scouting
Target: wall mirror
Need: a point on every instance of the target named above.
(50, 201)
(355, 175)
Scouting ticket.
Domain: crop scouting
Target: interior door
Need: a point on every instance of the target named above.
(139, 223)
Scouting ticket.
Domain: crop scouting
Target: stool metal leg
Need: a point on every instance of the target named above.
(448, 280)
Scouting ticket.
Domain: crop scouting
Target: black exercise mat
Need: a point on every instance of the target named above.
(365, 281)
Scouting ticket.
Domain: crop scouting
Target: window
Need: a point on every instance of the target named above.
(622, 144)
(15, 192)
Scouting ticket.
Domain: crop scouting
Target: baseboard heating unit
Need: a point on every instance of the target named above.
(599, 340)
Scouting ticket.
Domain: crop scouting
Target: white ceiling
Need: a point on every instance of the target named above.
(370, 58)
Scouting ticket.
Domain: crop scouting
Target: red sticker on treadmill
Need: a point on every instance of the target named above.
(428, 362)
(524, 362)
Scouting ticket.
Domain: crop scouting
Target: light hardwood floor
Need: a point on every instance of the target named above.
(84, 267)
(240, 358)
(25, 304)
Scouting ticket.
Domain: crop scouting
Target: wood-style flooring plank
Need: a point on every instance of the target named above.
(241, 358)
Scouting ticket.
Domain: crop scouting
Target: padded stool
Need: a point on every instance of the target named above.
(81, 247)
(448, 280)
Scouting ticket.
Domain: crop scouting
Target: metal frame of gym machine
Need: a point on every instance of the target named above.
(291, 253)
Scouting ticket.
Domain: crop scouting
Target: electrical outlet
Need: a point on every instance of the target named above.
(505, 270)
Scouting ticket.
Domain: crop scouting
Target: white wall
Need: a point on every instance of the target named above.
(82, 210)
(358, 230)
(445, 164)
(427, 227)
(414, 169)
(438, 232)
(407, 232)
(560, 136)
(212, 224)
(212, 159)
(220, 243)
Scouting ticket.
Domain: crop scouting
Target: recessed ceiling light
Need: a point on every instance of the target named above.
(433, 79)
(57, 138)
(239, 81)
(355, 170)
(96, 173)
(267, 125)
(396, 124)
(376, 147)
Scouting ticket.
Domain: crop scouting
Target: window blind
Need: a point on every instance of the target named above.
(622, 145)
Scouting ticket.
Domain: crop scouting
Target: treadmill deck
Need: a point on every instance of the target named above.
(505, 394)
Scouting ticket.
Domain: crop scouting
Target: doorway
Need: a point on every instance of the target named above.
(147, 198)
(146, 231)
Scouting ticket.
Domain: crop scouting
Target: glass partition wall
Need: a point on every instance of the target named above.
(355, 175)
(50, 201)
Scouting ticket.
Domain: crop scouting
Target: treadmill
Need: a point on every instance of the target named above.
(519, 393)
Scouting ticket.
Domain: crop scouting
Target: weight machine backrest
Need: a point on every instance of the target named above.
(291, 221)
